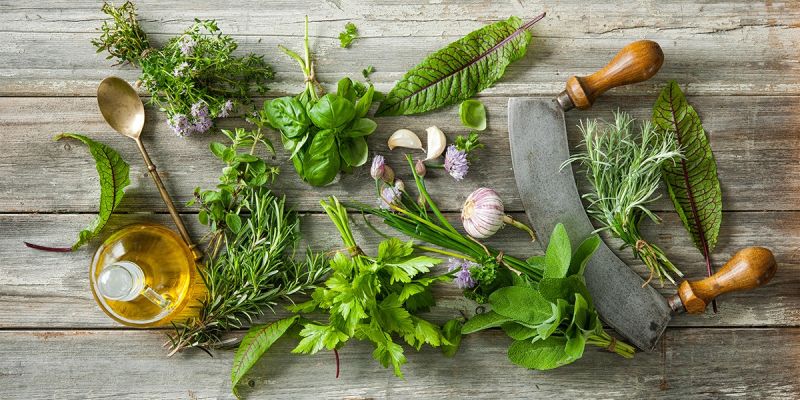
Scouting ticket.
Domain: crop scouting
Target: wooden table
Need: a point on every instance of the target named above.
(737, 61)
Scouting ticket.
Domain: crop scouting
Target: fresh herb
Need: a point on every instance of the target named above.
(194, 77)
(254, 344)
(325, 134)
(551, 322)
(113, 172)
(347, 36)
(253, 237)
(460, 70)
(692, 182)
(625, 171)
(366, 72)
(488, 268)
(472, 114)
(372, 298)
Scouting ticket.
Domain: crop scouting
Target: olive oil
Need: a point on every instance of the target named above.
(144, 275)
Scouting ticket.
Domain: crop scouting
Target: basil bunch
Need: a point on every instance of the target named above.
(325, 135)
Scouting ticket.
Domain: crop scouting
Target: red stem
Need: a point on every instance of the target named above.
(336, 354)
(50, 249)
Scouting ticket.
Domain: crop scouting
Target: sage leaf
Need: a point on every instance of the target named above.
(583, 254)
(460, 70)
(692, 181)
(518, 331)
(479, 322)
(542, 355)
(113, 172)
(254, 344)
(522, 304)
(558, 255)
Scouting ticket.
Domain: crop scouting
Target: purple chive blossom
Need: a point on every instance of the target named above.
(390, 195)
(455, 162)
(226, 109)
(180, 125)
(378, 167)
(463, 278)
(187, 46)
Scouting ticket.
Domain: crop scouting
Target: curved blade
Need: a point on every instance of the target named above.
(538, 148)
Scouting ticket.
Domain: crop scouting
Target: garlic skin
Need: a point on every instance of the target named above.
(404, 138)
(483, 213)
(436, 142)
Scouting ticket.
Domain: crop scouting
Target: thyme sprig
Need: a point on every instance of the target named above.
(625, 172)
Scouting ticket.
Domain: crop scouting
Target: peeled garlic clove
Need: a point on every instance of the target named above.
(405, 138)
(436, 142)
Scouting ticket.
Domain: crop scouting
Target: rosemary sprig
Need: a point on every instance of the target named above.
(625, 172)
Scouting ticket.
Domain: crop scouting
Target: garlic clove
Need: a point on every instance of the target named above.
(436, 142)
(405, 138)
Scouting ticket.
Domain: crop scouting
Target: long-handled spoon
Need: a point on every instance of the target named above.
(123, 110)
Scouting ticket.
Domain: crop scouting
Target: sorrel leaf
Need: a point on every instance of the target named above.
(692, 182)
(113, 172)
(257, 341)
(460, 70)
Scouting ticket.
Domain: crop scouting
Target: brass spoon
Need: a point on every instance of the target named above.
(123, 110)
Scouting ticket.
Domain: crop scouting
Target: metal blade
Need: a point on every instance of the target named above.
(538, 148)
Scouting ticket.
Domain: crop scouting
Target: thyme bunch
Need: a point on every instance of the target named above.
(251, 265)
(625, 171)
(194, 77)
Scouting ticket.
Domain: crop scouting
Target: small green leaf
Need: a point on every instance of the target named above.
(473, 114)
(234, 222)
(332, 111)
(558, 254)
(360, 127)
(365, 102)
(321, 162)
(540, 355)
(254, 344)
(394, 249)
(452, 333)
(354, 151)
(113, 172)
(347, 36)
(583, 254)
(575, 344)
(345, 89)
(553, 289)
(218, 149)
(479, 322)
(521, 304)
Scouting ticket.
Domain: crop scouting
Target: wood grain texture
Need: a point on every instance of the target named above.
(47, 290)
(739, 47)
(755, 142)
(131, 364)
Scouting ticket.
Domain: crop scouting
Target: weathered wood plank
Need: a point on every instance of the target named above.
(719, 48)
(696, 363)
(50, 290)
(754, 139)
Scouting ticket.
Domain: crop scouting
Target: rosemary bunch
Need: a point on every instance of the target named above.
(251, 265)
(625, 172)
(194, 77)
(423, 221)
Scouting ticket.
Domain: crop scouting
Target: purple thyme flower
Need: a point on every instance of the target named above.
(203, 124)
(226, 109)
(463, 278)
(456, 163)
(180, 125)
(187, 46)
(378, 167)
(200, 110)
(180, 69)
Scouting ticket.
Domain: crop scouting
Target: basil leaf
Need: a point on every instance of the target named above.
(583, 254)
(360, 127)
(460, 70)
(254, 344)
(113, 172)
(365, 102)
(345, 89)
(473, 114)
(332, 111)
(321, 161)
(542, 354)
(522, 304)
(479, 322)
(287, 115)
(354, 151)
(558, 254)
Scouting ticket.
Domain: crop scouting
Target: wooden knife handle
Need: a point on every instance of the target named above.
(748, 269)
(636, 62)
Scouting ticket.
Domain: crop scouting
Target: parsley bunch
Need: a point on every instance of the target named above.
(372, 298)
(194, 77)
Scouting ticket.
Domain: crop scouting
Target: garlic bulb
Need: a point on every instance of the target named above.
(436, 142)
(483, 215)
(405, 138)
